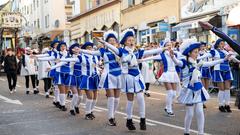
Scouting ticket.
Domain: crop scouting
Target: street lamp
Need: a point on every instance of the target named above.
(234, 17)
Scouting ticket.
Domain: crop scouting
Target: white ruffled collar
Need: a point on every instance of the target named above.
(130, 50)
(64, 53)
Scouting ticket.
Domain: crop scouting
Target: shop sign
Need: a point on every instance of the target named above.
(163, 27)
(11, 20)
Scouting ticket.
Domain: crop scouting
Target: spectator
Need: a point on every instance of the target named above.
(10, 67)
(28, 69)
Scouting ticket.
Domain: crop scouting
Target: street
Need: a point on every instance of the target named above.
(23, 114)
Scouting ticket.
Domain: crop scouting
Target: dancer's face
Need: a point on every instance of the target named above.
(55, 45)
(169, 45)
(63, 48)
(194, 54)
(221, 45)
(76, 50)
(130, 42)
(89, 48)
(202, 47)
(112, 41)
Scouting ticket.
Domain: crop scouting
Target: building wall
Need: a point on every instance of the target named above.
(98, 18)
(42, 17)
(76, 7)
(152, 10)
(145, 15)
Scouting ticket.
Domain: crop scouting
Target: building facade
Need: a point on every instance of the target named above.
(213, 11)
(95, 15)
(9, 26)
(43, 17)
(151, 19)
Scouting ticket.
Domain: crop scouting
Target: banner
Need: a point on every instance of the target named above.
(190, 8)
(11, 20)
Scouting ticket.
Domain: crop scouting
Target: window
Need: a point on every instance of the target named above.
(38, 23)
(98, 2)
(89, 4)
(34, 6)
(37, 3)
(31, 9)
(27, 10)
(46, 21)
(131, 3)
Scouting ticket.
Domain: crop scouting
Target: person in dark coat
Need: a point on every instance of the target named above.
(10, 67)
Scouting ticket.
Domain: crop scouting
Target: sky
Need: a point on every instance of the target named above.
(3, 1)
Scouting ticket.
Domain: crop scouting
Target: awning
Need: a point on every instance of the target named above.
(190, 24)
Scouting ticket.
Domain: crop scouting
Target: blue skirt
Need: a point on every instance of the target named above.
(61, 78)
(89, 82)
(190, 97)
(71, 80)
(221, 76)
(51, 74)
(206, 73)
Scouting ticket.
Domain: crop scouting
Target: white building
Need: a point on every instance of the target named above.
(44, 17)
(75, 7)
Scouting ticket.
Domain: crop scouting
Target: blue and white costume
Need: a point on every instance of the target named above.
(222, 72)
(169, 74)
(205, 71)
(63, 71)
(89, 76)
(132, 80)
(50, 55)
(111, 75)
(192, 89)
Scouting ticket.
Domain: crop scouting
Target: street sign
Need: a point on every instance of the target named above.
(163, 27)
(11, 20)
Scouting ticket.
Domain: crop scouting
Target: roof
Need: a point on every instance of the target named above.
(3, 5)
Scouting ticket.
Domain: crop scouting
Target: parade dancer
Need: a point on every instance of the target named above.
(233, 44)
(89, 78)
(43, 74)
(222, 74)
(111, 75)
(205, 71)
(28, 69)
(169, 77)
(132, 80)
(193, 94)
(73, 80)
(62, 73)
(51, 56)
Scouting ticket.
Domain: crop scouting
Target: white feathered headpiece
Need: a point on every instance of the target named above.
(188, 45)
(164, 42)
(125, 34)
(110, 34)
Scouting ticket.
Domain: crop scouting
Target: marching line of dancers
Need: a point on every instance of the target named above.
(114, 67)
